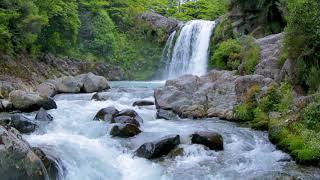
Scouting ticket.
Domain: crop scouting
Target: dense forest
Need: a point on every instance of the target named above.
(95, 30)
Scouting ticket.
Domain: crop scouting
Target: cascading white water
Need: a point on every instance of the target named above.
(191, 49)
(86, 150)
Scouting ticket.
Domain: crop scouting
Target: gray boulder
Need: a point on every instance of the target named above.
(166, 114)
(124, 130)
(5, 105)
(106, 114)
(50, 163)
(269, 66)
(159, 148)
(19, 122)
(215, 94)
(68, 84)
(28, 102)
(92, 83)
(212, 140)
(47, 89)
(17, 160)
(42, 115)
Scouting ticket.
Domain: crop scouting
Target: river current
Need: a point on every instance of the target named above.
(85, 150)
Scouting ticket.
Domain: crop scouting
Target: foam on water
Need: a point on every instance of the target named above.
(87, 151)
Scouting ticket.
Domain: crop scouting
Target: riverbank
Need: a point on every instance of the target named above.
(25, 73)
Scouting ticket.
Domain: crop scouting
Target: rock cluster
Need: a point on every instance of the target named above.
(214, 95)
(84, 83)
(126, 122)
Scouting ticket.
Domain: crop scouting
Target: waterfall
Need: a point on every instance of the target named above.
(190, 51)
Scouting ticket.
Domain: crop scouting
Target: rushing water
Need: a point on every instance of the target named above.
(190, 51)
(87, 151)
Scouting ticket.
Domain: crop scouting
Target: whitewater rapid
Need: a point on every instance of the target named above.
(86, 151)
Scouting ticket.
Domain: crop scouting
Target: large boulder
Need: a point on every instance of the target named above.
(268, 65)
(42, 115)
(92, 83)
(106, 114)
(212, 140)
(143, 103)
(47, 89)
(159, 148)
(19, 122)
(68, 84)
(86, 83)
(28, 102)
(124, 130)
(49, 163)
(17, 160)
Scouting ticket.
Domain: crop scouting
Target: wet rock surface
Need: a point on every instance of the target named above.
(19, 122)
(28, 102)
(213, 95)
(212, 140)
(42, 115)
(124, 130)
(158, 148)
(143, 103)
(106, 114)
(17, 160)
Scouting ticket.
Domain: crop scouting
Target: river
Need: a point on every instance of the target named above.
(86, 151)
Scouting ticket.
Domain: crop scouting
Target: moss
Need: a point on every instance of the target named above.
(295, 138)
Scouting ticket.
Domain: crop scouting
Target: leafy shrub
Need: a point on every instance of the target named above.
(226, 51)
(250, 54)
(302, 40)
(311, 115)
(222, 32)
(243, 112)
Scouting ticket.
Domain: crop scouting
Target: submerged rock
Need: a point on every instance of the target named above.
(17, 160)
(212, 140)
(159, 148)
(143, 103)
(42, 115)
(106, 114)
(19, 122)
(28, 102)
(124, 130)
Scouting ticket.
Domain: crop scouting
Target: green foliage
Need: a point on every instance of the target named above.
(302, 40)
(244, 113)
(311, 115)
(222, 32)
(227, 55)
(302, 143)
(250, 54)
(201, 9)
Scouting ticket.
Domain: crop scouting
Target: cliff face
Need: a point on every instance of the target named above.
(24, 73)
(257, 18)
